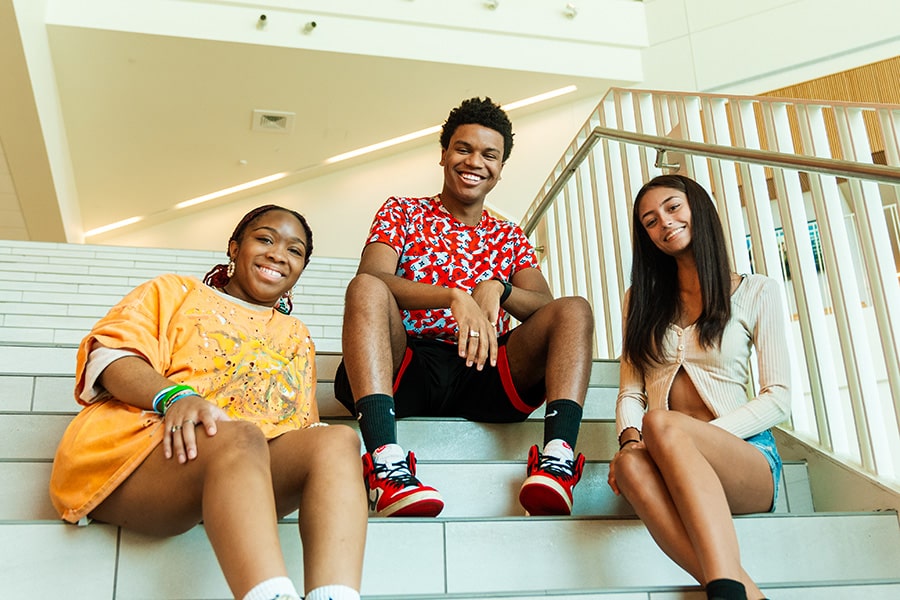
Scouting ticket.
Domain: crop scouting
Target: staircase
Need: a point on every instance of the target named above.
(480, 547)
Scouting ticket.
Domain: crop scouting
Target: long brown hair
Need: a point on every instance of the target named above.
(654, 297)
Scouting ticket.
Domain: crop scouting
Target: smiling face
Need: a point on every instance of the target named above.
(269, 258)
(472, 163)
(665, 215)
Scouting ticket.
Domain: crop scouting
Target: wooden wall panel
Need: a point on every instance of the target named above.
(877, 82)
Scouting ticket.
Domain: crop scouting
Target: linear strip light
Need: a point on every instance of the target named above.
(422, 133)
(232, 190)
(540, 97)
(334, 159)
(111, 226)
(385, 144)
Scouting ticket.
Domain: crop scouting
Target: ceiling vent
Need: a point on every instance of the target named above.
(273, 121)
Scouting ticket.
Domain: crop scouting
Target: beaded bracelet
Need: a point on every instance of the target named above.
(165, 397)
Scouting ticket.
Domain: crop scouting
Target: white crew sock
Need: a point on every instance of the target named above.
(276, 588)
(559, 449)
(333, 592)
(389, 454)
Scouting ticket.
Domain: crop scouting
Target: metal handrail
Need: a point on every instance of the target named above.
(769, 158)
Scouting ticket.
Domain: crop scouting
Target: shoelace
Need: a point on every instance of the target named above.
(557, 467)
(398, 474)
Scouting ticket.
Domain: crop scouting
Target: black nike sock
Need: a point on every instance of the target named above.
(562, 421)
(377, 423)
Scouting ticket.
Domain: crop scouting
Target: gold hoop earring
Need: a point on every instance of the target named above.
(229, 271)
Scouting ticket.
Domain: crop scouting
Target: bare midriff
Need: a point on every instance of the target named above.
(684, 398)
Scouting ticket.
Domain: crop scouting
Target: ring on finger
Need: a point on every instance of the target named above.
(175, 428)
(474, 334)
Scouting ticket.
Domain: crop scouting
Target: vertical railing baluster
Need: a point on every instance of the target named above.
(725, 185)
(592, 280)
(880, 269)
(809, 415)
(838, 271)
(805, 278)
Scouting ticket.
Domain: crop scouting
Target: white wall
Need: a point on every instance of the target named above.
(739, 47)
(57, 163)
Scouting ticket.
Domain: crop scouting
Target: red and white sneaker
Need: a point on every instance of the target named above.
(393, 488)
(548, 488)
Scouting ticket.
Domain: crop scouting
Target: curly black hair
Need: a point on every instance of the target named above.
(480, 112)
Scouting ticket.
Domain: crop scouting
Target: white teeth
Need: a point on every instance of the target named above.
(271, 272)
(470, 177)
(668, 237)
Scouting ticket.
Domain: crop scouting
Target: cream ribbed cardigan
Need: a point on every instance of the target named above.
(722, 374)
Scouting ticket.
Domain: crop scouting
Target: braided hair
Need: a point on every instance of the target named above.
(218, 276)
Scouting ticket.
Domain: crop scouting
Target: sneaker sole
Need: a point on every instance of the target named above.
(420, 504)
(544, 496)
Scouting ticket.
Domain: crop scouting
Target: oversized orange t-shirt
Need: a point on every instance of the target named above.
(256, 364)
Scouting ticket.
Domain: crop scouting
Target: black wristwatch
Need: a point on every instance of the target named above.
(507, 289)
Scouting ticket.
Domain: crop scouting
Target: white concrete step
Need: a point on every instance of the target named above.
(53, 293)
(471, 489)
(472, 558)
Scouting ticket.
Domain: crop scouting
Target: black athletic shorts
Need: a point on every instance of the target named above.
(434, 381)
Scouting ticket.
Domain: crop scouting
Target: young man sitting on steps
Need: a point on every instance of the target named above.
(427, 328)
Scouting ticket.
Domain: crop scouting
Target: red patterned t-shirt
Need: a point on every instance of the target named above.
(437, 249)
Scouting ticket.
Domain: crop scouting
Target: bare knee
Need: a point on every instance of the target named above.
(366, 290)
(662, 433)
(573, 314)
(342, 440)
(237, 442)
(632, 468)
(337, 443)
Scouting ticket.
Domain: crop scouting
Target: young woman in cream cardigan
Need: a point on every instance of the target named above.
(695, 448)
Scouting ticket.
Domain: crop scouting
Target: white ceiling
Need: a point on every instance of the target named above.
(158, 120)
(152, 120)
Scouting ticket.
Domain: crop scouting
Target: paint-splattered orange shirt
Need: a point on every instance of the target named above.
(256, 364)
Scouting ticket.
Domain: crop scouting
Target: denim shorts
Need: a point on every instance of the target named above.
(765, 443)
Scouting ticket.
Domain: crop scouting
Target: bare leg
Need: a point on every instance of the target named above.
(643, 486)
(705, 474)
(374, 338)
(554, 344)
(319, 470)
(228, 486)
